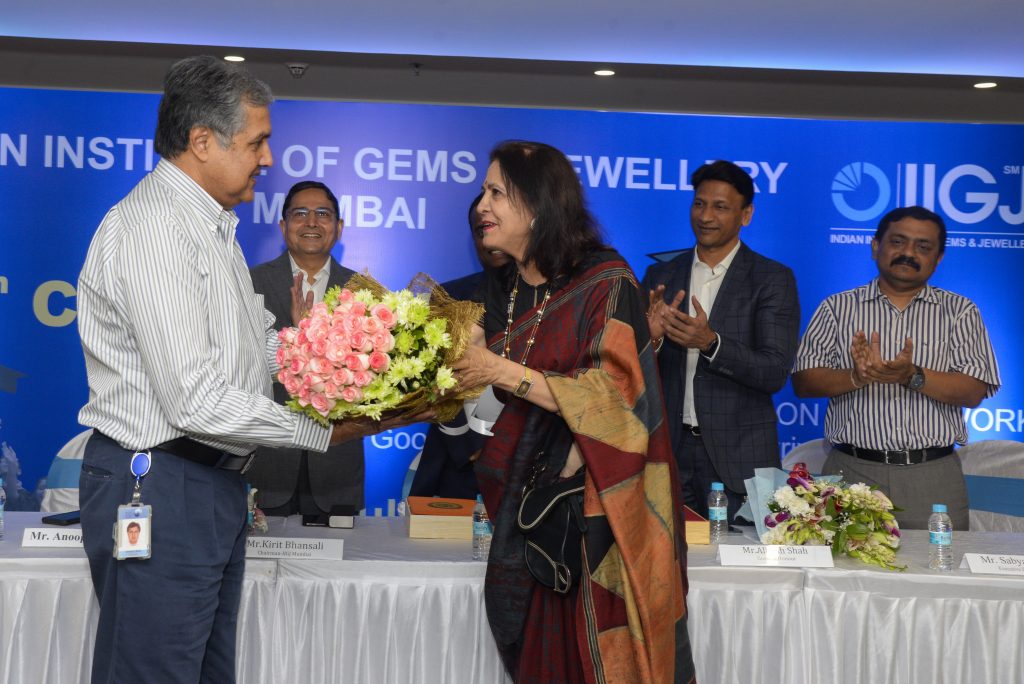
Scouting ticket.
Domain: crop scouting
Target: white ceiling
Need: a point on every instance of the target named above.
(981, 38)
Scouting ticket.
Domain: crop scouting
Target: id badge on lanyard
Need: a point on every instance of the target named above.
(134, 524)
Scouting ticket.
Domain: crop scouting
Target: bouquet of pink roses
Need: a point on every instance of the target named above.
(855, 520)
(364, 351)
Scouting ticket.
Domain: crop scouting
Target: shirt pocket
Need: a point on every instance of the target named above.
(932, 353)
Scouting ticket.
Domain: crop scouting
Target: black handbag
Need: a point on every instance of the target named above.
(551, 518)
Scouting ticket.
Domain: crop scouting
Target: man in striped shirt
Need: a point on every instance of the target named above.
(898, 360)
(179, 353)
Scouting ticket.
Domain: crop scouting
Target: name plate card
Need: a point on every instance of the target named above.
(49, 538)
(993, 564)
(294, 548)
(776, 556)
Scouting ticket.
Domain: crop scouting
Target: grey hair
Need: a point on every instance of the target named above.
(205, 91)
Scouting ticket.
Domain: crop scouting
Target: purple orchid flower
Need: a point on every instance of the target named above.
(798, 481)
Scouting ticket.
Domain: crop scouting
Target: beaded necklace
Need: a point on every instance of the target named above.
(507, 353)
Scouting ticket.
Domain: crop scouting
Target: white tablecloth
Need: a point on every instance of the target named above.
(859, 624)
(396, 610)
(401, 610)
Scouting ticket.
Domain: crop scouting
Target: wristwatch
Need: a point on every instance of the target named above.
(916, 381)
(525, 385)
(711, 348)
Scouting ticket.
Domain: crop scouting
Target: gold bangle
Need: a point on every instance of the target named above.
(854, 382)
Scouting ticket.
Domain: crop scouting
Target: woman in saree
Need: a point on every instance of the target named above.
(565, 337)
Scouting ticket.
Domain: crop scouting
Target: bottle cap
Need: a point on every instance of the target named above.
(479, 498)
(717, 487)
(938, 508)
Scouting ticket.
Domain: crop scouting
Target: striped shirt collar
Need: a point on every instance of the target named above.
(195, 196)
(872, 291)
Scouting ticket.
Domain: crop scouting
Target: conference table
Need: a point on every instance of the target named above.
(406, 610)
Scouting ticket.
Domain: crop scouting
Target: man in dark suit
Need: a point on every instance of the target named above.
(446, 461)
(295, 480)
(730, 348)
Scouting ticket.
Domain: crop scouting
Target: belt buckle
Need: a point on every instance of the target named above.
(905, 453)
(226, 456)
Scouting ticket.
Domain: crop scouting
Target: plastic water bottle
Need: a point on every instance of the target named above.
(718, 509)
(3, 502)
(481, 530)
(940, 536)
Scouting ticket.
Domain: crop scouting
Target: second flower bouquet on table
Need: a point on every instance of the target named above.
(367, 351)
(854, 519)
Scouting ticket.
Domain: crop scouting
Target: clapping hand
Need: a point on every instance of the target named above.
(655, 311)
(301, 306)
(869, 366)
(690, 332)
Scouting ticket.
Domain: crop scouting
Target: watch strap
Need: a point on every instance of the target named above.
(917, 379)
(712, 348)
(525, 384)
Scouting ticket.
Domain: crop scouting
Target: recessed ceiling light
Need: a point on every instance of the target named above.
(986, 84)
(234, 58)
(604, 72)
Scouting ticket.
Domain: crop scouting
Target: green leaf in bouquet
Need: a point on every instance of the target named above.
(830, 507)
(831, 525)
(857, 531)
(839, 543)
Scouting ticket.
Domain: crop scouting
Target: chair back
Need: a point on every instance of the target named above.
(812, 453)
(994, 472)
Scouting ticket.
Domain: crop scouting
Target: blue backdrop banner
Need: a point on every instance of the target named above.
(405, 175)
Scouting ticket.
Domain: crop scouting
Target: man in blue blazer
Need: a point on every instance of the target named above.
(294, 480)
(726, 322)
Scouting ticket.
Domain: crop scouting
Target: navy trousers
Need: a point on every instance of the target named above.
(170, 618)
(696, 473)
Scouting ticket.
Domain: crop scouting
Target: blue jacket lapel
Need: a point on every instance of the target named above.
(681, 279)
(731, 286)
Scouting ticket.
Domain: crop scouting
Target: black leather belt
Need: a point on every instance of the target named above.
(901, 457)
(191, 450)
(692, 429)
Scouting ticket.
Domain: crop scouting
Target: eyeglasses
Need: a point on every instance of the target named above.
(302, 213)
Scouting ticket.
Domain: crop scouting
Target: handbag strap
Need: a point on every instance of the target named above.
(565, 490)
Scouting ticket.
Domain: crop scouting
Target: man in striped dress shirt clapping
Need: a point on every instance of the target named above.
(898, 360)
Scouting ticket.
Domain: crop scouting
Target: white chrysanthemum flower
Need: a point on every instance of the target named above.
(366, 297)
(860, 489)
(791, 501)
(445, 379)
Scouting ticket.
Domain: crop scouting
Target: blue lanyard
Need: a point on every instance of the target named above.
(141, 463)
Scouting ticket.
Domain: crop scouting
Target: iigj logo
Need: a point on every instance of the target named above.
(967, 194)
